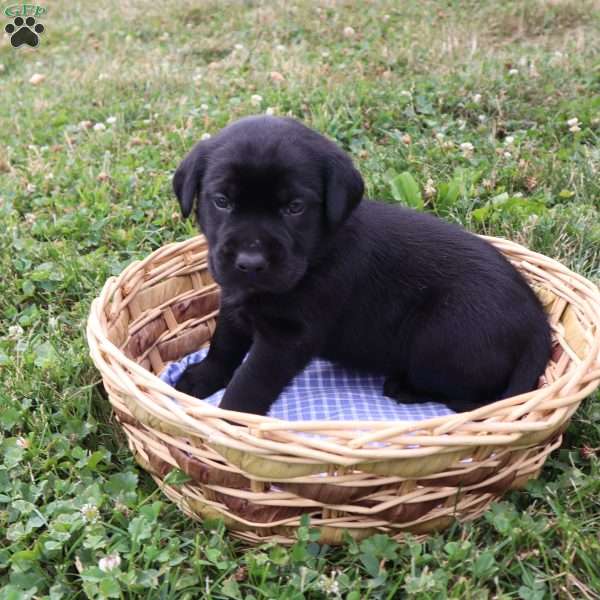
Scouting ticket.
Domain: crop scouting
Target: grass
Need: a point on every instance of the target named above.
(402, 91)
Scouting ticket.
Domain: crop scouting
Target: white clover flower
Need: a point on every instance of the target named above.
(109, 563)
(270, 111)
(90, 513)
(573, 121)
(481, 118)
(255, 100)
(239, 46)
(329, 585)
(429, 189)
(280, 47)
(513, 72)
(349, 32)
(99, 127)
(556, 58)
(30, 188)
(507, 155)
(37, 78)
(15, 332)
(85, 125)
(574, 128)
(204, 106)
(467, 149)
(205, 136)
(405, 93)
(439, 136)
(533, 72)
(111, 120)
(509, 140)
(477, 98)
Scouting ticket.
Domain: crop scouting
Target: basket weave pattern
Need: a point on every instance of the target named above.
(262, 474)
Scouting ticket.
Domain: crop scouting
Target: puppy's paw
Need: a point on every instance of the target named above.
(247, 402)
(393, 387)
(459, 406)
(396, 389)
(232, 402)
(200, 381)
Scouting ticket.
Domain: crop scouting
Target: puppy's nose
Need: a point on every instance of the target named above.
(250, 262)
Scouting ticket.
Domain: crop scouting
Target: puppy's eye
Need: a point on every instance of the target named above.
(222, 203)
(295, 207)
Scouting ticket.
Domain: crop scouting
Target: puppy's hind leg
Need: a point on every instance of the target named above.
(397, 388)
(400, 391)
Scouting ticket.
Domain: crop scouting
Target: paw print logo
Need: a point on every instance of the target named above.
(24, 32)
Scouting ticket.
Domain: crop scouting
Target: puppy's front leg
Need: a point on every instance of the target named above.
(228, 347)
(263, 376)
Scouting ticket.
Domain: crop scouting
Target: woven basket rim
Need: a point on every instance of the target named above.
(498, 423)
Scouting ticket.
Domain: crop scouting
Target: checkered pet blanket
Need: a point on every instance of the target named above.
(326, 391)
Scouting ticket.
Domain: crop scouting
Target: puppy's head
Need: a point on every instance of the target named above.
(268, 192)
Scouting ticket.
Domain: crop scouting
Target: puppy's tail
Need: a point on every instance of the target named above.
(533, 361)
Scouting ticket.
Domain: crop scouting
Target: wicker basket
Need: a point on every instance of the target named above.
(262, 474)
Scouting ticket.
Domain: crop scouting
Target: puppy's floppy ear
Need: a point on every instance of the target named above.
(187, 181)
(344, 188)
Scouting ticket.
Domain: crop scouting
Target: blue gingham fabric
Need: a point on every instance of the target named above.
(326, 391)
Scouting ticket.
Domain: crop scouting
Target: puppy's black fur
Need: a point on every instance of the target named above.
(307, 269)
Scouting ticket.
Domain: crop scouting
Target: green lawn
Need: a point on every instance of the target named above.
(86, 158)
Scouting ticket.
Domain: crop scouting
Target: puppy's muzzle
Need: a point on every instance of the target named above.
(251, 262)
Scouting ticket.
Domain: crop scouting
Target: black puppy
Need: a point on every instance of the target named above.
(308, 270)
